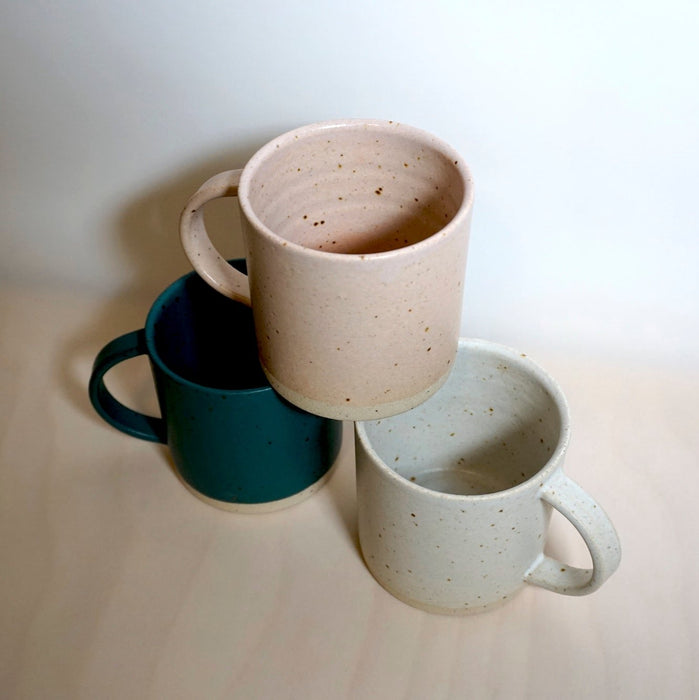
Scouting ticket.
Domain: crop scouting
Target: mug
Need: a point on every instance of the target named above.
(235, 443)
(356, 234)
(455, 496)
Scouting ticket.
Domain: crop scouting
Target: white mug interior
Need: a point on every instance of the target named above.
(493, 425)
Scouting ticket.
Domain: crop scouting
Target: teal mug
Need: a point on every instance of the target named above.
(234, 441)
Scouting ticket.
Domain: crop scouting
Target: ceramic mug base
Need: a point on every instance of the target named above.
(354, 413)
(267, 506)
(466, 609)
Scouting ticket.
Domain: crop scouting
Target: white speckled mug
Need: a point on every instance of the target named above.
(356, 235)
(454, 497)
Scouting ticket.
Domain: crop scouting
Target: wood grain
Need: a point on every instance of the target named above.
(117, 583)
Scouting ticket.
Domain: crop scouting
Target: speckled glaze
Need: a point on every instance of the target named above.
(356, 235)
(236, 444)
(455, 496)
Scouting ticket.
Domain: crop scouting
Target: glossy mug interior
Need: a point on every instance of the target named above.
(356, 236)
(235, 443)
(455, 496)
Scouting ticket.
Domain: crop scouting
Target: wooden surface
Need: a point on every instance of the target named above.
(117, 583)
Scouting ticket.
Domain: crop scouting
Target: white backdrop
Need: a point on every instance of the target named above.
(580, 122)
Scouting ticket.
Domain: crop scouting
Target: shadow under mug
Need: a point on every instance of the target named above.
(235, 442)
(454, 497)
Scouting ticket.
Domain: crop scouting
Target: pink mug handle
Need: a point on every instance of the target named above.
(205, 259)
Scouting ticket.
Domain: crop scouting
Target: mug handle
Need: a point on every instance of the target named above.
(115, 413)
(596, 529)
(205, 259)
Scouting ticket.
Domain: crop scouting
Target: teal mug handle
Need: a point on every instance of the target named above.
(114, 412)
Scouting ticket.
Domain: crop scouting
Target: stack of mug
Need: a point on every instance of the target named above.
(348, 307)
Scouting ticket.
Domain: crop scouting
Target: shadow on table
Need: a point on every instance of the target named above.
(342, 487)
(146, 235)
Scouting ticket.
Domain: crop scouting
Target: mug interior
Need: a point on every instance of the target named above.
(355, 188)
(203, 337)
(493, 425)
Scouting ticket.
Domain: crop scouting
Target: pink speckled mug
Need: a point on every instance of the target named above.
(356, 235)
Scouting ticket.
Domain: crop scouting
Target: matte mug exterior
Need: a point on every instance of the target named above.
(454, 497)
(356, 236)
(235, 443)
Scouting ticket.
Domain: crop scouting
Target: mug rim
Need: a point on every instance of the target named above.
(535, 371)
(462, 213)
(154, 314)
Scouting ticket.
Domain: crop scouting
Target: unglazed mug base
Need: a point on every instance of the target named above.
(467, 609)
(354, 413)
(266, 506)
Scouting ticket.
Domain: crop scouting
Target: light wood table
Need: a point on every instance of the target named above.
(117, 583)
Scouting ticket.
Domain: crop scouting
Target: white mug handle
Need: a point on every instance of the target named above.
(596, 529)
(205, 259)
